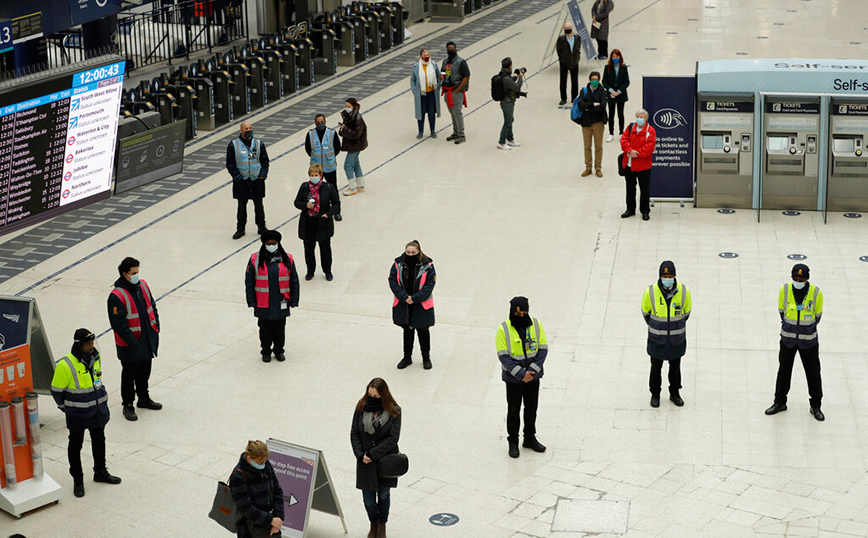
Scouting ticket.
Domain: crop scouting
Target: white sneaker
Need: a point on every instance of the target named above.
(503, 146)
(609, 138)
(513, 144)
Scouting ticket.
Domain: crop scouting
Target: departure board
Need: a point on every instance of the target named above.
(57, 144)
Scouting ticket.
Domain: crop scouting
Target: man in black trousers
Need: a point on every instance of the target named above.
(569, 50)
(247, 163)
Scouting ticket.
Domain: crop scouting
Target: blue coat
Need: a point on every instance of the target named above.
(416, 88)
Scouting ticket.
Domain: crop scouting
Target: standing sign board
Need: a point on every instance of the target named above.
(670, 102)
(306, 484)
(571, 10)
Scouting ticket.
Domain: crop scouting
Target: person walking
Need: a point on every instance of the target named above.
(256, 491)
(78, 390)
(800, 304)
(323, 145)
(511, 91)
(318, 202)
(600, 11)
(135, 321)
(569, 50)
(638, 142)
(522, 348)
(616, 79)
(375, 432)
(247, 162)
(455, 76)
(592, 102)
(666, 305)
(271, 283)
(425, 86)
(355, 134)
(412, 279)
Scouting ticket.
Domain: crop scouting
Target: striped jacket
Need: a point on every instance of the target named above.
(79, 392)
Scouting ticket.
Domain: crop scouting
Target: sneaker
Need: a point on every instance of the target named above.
(513, 144)
(586, 173)
(602, 57)
(610, 137)
(130, 413)
(349, 192)
(451, 137)
(433, 134)
(503, 146)
(460, 139)
(238, 235)
(360, 190)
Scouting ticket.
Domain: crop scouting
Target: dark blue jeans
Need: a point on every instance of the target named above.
(377, 505)
(508, 118)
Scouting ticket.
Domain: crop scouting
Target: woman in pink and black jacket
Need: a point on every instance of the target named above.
(412, 280)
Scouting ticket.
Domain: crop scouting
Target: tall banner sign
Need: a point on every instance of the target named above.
(671, 105)
(582, 29)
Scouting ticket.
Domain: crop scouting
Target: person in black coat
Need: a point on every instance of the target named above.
(271, 307)
(569, 50)
(257, 493)
(412, 279)
(592, 101)
(247, 163)
(374, 433)
(319, 203)
(616, 79)
(136, 339)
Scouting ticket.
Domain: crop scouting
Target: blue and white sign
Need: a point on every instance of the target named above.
(582, 29)
(670, 103)
(5, 36)
(82, 11)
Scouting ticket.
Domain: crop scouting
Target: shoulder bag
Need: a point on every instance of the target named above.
(393, 465)
(223, 510)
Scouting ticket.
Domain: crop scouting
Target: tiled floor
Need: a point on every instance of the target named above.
(497, 224)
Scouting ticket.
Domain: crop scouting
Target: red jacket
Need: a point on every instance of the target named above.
(641, 141)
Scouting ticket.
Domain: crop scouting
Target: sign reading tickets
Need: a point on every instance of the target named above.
(306, 484)
(670, 102)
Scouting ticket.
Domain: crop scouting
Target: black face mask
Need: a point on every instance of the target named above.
(520, 322)
(248, 135)
(374, 404)
(411, 260)
(452, 54)
(320, 127)
(568, 32)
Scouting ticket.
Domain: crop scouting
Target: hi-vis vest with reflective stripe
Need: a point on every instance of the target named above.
(428, 303)
(799, 323)
(133, 320)
(261, 284)
(667, 323)
(247, 159)
(322, 152)
(81, 392)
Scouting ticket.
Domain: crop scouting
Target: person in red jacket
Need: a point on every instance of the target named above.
(637, 142)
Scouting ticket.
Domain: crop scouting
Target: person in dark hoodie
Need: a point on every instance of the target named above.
(522, 348)
(135, 321)
(257, 493)
(78, 390)
(592, 101)
(271, 282)
(511, 92)
(412, 279)
(247, 163)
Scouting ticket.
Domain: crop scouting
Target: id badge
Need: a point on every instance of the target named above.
(530, 346)
(800, 307)
(283, 305)
(97, 384)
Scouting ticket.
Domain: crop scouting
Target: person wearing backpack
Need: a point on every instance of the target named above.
(506, 89)
(592, 104)
(638, 142)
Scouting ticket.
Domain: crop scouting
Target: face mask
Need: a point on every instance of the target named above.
(134, 279)
(521, 322)
(349, 109)
(799, 285)
(595, 83)
(667, 282)
(426, 60)
(616, 60)
(640, 122)
(568, 32)
(411, 259)
(271, 248)
(248, 134)
(259, 466)
(452, 54)
(320, 127)
(315, 179)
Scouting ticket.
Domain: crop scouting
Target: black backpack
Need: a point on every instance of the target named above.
(498, 93)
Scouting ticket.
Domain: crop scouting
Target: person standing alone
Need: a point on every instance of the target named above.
(569, 49)
(592, 101)
(247, 163)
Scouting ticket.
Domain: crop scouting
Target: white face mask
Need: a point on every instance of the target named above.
(315, 179)
(134, 279)
(271, 248)
(799, 285)
(667, 282)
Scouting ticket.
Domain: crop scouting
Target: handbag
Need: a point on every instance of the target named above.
(393, 465)
(223, 510)
(259, 532)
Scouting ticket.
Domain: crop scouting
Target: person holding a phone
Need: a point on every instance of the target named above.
(318, 202)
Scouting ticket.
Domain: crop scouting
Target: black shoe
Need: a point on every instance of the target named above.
(308, 276)
(78, 488)
(533, 444)
(818, 414)
(261, 230)
(280, 357)
(563, 102)
(451, 137)
(106, 477)
(330, 277)
(776, 408)
(149, 404)
(655, 401)
(627, 214)
(676, 400)
(646, 216)
(338, 217)
(460, 139)
(130, 413)
(238, 235)
(426, 362)
(405, 362)
(266, 357)
(513, 449)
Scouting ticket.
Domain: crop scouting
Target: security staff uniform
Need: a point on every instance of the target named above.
(247, 162)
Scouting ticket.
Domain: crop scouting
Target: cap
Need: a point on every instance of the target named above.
(83, 335)
(801, 270)
(520, 303)
(667, 269)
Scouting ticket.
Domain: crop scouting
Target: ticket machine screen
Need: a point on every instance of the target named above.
(712, 141)
(844, 145)
(779, 143)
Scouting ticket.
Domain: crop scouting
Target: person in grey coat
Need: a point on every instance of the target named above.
(600, 26)
(511, 92)
(374, 433)
(425, 85)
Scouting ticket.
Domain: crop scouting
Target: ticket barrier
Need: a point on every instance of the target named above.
(258, 78)
(325, 42)
(241, 88)
(187, 101)
(204, 88)
(791, 157)
(385, 31)
(472, 5)
(290, 61)
(274, 67)
(399, 17)
(344, 30)
(297, 35)
(725, 152)
(373, 27)
(135, 103)
(224, 90)
(360, 33)
(848, 162)
(448, 10)
(167, 102)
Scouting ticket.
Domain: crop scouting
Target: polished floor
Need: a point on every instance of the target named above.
(497, 224)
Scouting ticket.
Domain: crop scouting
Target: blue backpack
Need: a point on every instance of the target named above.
(576, 112)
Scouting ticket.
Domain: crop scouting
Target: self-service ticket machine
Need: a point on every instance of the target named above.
(791, 131)
(297, 35)
(204, 87)
(290, 61)
(725, 151)
(241, 87)
(848, 156)
(274, 67)
(258, 70)
(224, 90)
